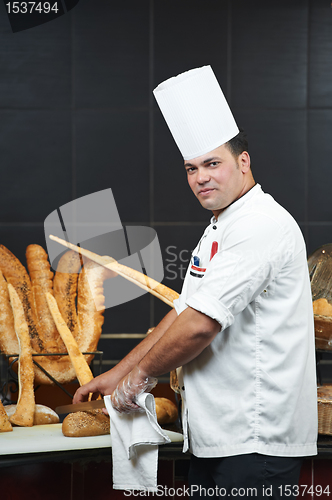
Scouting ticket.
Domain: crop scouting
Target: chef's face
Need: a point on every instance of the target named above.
(218, 178)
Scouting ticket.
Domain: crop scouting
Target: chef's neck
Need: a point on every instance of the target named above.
(245, 190)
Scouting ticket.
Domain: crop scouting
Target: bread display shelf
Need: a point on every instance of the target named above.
(49, 438)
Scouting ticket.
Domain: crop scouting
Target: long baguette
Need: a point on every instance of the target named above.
(26, 399)
(152, 286)
(90, 305)
(8, 337)
(65, 289)
(41, 280)
(82, 370)
(15, 274)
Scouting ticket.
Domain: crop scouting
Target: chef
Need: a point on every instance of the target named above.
(242, 329)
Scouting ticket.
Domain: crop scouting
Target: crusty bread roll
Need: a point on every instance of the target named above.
(5, 425)
(41, 280)
(65, 289)
(322, 307)
(166, 410)
(26, 399)
(86, 423)
(15, 274)
(43, 414)
(96, 423)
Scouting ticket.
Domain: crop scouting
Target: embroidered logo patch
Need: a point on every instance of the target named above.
(198, 272)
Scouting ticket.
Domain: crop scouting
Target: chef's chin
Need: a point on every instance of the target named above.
(208, 204)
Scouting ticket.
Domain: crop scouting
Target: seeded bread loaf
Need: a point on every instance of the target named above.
(86, 423)
(96, 423)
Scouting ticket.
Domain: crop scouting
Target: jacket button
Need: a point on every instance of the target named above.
(214, 227)
(183, 387)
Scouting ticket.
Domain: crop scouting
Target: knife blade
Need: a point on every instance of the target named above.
(89, 405)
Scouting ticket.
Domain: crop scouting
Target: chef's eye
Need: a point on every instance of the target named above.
(213, 163)
(190, 170)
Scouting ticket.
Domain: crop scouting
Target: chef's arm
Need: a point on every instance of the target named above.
(107, 382)
(183, 341)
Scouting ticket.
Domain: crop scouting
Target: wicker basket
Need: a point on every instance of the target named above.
(324, 399)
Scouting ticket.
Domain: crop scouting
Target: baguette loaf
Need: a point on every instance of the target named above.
(81, 367)
(149, 284)
(8, 337)
(65, 289)
(16, 275)
(26, 399)
(41, 280)
(90, 304)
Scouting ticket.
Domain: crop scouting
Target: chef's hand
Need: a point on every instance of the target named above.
(131, 386)
(103, 384)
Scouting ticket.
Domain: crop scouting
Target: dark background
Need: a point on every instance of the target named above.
(77, 115)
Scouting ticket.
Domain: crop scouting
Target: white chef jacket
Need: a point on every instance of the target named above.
(253, 389)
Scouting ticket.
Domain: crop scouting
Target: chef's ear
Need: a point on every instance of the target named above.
(244, 162)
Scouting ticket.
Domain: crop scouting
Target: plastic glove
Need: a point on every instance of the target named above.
(126, 393)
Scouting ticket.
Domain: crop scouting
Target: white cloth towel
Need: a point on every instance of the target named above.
(135, 439)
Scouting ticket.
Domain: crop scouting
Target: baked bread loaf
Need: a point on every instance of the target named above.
(8, 337)
(26, 398)
(166, 410)
(81, 367)
(33, 298)
(41, 280)
(16, 275)
(43, 414)
(149, 284)
(65, 289)
(322, 307)
(90, 305)
(96, 423)
(86, 423)
(89, 322)
(5, 425)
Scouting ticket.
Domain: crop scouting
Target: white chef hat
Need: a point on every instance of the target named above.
(196, 111)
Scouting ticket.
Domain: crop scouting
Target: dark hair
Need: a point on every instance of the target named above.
(238, 144)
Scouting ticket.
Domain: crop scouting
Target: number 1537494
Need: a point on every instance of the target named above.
(31, 7)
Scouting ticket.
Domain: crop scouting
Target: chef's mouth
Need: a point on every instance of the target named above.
(206, 191)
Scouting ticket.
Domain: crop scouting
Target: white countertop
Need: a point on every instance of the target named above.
(48, 438)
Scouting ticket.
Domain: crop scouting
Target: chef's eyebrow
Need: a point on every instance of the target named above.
(208, 160)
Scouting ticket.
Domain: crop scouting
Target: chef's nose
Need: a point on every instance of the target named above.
(202, 175)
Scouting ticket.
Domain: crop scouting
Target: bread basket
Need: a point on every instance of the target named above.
(324, 401)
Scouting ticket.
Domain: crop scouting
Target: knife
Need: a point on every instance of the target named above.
(89, 405)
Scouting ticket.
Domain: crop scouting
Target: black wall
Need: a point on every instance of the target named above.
(77, 115)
